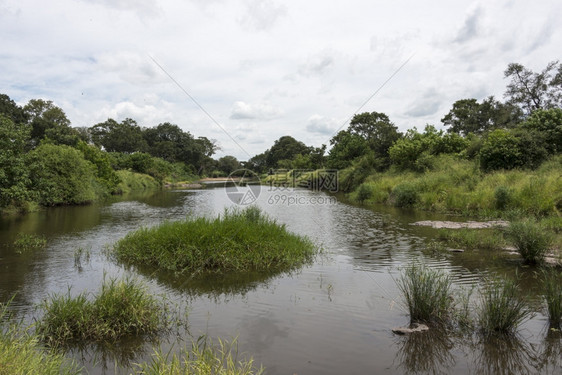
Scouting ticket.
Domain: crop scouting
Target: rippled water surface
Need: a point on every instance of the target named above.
(331, 317)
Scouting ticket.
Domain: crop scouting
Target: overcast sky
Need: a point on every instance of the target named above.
(264, 69)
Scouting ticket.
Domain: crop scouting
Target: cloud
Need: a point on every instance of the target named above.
(262, 111)
(322, 125)
(317, 65)
(427, 105)
(262, 14)
(470, 28)
(130, 66)
(143, 8)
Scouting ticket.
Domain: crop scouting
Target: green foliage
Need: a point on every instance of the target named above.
(346, 147)
(363, 193)
(228, 164)
(549, 123)
(60, 175)
(285, 148)
(105, 175)
(552, 280)
(501, 309)
(500, 151)
(131, 181)
(350, 178)
(26, 242)
(404, 195)
(122, 308)
(14, 172)
(530, 239)
(427, 293)
(473, 239)
(125, 136)
(49, 121)
(203, 358)
(240, 240)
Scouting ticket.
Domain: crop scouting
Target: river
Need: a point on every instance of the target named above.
(331, 317)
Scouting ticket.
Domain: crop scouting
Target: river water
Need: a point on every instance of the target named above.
(331, 317)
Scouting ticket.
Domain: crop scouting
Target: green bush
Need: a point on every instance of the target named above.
(530, 239)
(500, 151)
(363, 193)
(60, 175)
(404, 195)
(502, 197)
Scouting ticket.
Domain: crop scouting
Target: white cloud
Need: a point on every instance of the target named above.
(322, 125)
(261, 111)
(262, 14)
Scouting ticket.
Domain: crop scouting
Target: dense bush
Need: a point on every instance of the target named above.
(500, 151)
(404, 195)
(530, 239)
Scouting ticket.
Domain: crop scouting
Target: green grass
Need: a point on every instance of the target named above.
(427, 293)
(237, 241)
(132, 181)
(473, 239)
(21, 353)
(552, 280)
(502, 309)
(530, 239)
(25, 242)
(121, 308)
(202, 359)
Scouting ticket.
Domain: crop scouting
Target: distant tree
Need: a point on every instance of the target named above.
(125, 136)
(346, 147)
(285, 148)
(468, 116)
(377, 129)
(549, 123)
(533, 91)
(257, 163)
(49, 121)
(228, 164)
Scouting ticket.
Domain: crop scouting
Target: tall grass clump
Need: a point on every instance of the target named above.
(427, 293)
(25, 242)
(530, 239)
(553, 295)
(203, 359)
(20, 353)
(122, 308)
(239, 240)
(502, 309)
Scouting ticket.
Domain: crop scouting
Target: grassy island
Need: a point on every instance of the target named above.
(237, 241)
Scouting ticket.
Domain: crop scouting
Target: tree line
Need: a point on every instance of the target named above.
(521, 132)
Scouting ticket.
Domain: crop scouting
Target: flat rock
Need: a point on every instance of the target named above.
(461, 224)
(416, 327)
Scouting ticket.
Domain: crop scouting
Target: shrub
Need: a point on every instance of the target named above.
(404, 195)
(427, 293)
(502, 197)
(363, 193)
(501, 309)
(530, 239)
(500, 151)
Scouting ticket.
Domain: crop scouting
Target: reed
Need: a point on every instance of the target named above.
(427, 293)
(502, 309)
(237, 241)
(530, 239)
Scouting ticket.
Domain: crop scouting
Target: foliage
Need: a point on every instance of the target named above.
(549, 123)
(535, 91)
(122, 308)
(427, 293)
(105, 174)
(228, 164)
(14, 172)
(131, 181)
(552, 280)
(501, 308)
(285, 148)
(404, 195)
(530, 240)
(468, 116)
(202, 359)
(113, 136)
(502, 197)
(377, 130)
(363, 193)
(49, 121)
(240, 240)
(346, 147)
(473, 239)
(60, 175)
(500, 151)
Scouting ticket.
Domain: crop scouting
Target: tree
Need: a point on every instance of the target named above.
(377, 129)
(228, 164)
(49, 121)
(285, 148)
(533, 91)
(14, 174)
(500, 151)
(468, 116)
(11, 110)
(549, 123)
(346, 147)
(125, 136)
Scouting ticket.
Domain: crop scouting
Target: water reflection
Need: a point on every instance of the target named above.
(501, 354)
(426, 352)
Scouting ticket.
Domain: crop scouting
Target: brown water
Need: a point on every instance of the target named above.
(331, 317)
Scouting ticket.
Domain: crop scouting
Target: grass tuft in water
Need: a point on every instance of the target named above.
(553, 295)
(502, 309)
(25, 242)
(530, 239)
(240, 240)
(427, 293)
(20, 352)
(122, 308)
(203, 358)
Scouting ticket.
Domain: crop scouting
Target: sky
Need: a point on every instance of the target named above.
(246, 72)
